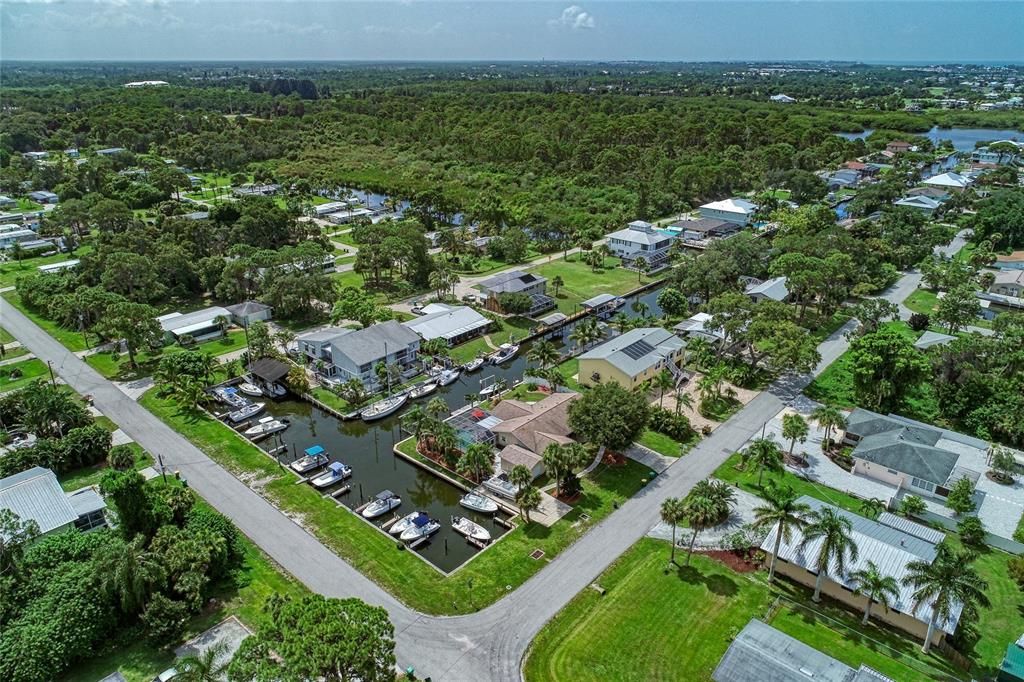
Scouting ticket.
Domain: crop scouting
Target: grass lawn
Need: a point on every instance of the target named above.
(345, 238)
(5, 336)
(27, 205)
(664, 445)
(719, 409)
(15, 352)
(79, 478)
(31, 370)
(330, 399)
(569, 370)
(517, 327)
(653, 625)
(111, 368)
(747, 480)
(71, 339)
(404, 575)
(581, 282)
(922, 301)
(11, 271)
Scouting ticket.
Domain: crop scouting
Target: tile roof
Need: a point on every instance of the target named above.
(534, 425)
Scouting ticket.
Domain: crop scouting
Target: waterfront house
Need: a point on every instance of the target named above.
(948, 181)
(453, 323)
(517, 282)
(842, 179)
(526, 429)
(342, 354)
(738, 211)
(698, 327)
(1008, 283)
(632, 358)
(35, 495)
(639, 239)
(898, 147)
(999, 157)
(705, 228)
(936, 193)
(891, 547)
(201, 325)
(773, 289)
(906, 454)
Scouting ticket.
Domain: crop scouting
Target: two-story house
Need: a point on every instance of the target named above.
(1008, 283)
(342, 354)
(639, 239)
(632, 358)
(737, 211)
(517, 282)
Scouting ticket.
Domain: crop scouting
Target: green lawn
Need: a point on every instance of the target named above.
(404, 575)
(581, 282)
(71, 339)
(676, 625)
(330, 399)
(80, 478)
(14, 352)
(664, 445)
(512, 327)
(11, 271)
(31, 370)
(922, 301)
(747, 480)
(5, 336)
(27, 205)
(111, 368)
(569, 369)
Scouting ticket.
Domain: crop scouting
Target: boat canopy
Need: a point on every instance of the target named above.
(384, 495)
(421, 520)
(314, 451)
(229, 390)
(337, 467)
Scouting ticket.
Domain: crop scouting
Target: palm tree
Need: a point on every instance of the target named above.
(683, 399)
(828, 417)
(673, 512)
(837, 545)
(416, 421)
(446, 441)
(529, 500)
(437, 407)
(208, 666)
(477, 461)
(763, 453)
(876, 586)
(782, 510)
(622, 323)
(121, 458)
(128, 571)
(544, 353)
(557, 282)
(794, 428)
(701, 512)
(872, 507)
(641, 266)
(640, 308)
(554, 459)
(943, 583)
(520, 476)
(699, 350)
(585, 333)
(663, 381)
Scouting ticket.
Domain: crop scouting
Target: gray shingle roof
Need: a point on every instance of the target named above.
(247, 308)
(637, 349)
(367, 345)
(640, 236)
(512, 282)
(35, 494)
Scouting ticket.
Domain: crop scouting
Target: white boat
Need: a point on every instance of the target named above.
(250, 389)
(500, 485)
(474, 364)
(490, 390)
(312, 458)
(277, 390)
(470, 529)
(265, 427)
(383, 408)
(250, 410)
(336, 471)
(423, 390)
(422, 526)
(448, 377)
(229, 395)
(479, 503)
(400, 526)
(617, 303)
(505, 352)
(382, 503)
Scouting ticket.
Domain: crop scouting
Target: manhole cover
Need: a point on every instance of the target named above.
(537, 554)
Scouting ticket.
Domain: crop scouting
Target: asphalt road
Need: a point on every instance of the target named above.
(489, 644)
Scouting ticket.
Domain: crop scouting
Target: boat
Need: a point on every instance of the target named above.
(229, 395)
(500, 485)
(399, 526)
(422, 526)
(448, 377)
(250, 410)
(505, 352)
(250, 389)
(383, 408)
(277, 390)
(617, 303)
(312, 458)
(474, 364)
(470, 529)
(423, 390)
(382, 503)
(336, 471)
(265, 427)
(479, 503)
(490, 390)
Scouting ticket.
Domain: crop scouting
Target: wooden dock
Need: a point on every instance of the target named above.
(343, 490)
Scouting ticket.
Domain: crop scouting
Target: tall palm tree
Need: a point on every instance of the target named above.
(128, 571)
(477, 461)
(828, 417)
(437, 407)
(794, 429)
(557, 282)
(941, 584)
(876, 586)
(837, 545)
(416, 421)
(554, 462)
(663, 381)
(673, 512)
(210, 665)
(622, 323)
(683, 399)
(641, 266)
(782, 510)
(701, 512)
(446, 441)
(544, 353)
(520, 476)
(529, 500)
(585, 333)
(763, 453)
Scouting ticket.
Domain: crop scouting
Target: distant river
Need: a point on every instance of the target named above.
(963, 139)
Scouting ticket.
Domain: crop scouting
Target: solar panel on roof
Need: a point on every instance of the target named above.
(638, 349)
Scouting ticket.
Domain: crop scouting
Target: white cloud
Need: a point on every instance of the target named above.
(282, 27)
(433, 29)
(573, 17)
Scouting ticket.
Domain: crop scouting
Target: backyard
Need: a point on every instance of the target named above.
(511, 328)
(115, 366)
(582, 282)
(507, 562)
(12, 270)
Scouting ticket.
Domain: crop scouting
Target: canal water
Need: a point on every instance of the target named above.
(963, 139)
(368, 449)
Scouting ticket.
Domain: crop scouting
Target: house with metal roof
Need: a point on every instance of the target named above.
(632, 358)
(453, 323)
(342, 354)
(1008, 283)
(930, 338)
(199, 324)
(704, 228)
(735, 210)
(892, 549)
(699, 326)
(245, 313)
(517, 282)
(925, 204)
(35, 494)
(639, 239)
(773, 289)
(949, 181)
(760, 653)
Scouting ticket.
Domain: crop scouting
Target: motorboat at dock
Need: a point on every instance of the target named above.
(312, 458)
(382, 503)
(422, 526)
(241, 414)
(336, 471)
(505, 352)
(265, 427)
(479, 503)
(470, 529)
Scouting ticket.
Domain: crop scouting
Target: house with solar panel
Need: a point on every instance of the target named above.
(640, 239)
(517, 282)
(632, 358)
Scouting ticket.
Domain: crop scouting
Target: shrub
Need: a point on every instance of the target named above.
(961, 497)
(675, 426)
(912, 505)
(919, 322)
(164, 619)
(1015, 567)
(972, 531)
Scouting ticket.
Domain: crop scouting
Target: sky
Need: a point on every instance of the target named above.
(857, 30)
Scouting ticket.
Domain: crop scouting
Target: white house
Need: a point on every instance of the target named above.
(698, 326)
(948, 181)
(453, 323)
(782, 99)
(925, 204)
(773, 289)
(199, 324)
(640, 239)
(738, 211)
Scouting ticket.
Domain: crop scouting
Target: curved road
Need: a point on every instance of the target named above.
(489, 644)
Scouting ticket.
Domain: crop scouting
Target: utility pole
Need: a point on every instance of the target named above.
(53, 379)
(163, 469)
